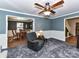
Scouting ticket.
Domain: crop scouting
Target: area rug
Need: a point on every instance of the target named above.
(53, 48)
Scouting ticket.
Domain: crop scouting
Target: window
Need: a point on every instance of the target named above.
(19, 26)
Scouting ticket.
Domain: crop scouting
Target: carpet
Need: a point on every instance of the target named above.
(53, 48)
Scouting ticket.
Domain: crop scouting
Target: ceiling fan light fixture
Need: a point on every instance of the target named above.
(47, 9)
(47, 13)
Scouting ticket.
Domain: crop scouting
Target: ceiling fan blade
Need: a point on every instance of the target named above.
(53, 12)
(41, 12)
(59, 6)
(58, 3)
(39, 5)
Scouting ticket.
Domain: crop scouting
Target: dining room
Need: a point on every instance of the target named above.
(18, 27)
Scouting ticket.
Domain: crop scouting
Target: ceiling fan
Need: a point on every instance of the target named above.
(49, 9)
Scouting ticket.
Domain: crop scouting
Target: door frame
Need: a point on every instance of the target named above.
(33, 27)
(72, 17)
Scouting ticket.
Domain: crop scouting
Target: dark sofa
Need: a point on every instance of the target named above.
(33, 42)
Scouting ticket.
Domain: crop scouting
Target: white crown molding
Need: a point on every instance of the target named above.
(66, 15)
(37, 15)
(21, 13)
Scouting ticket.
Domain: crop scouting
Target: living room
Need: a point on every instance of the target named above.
(52, 28)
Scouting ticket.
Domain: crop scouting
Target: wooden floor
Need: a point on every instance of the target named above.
(16, 42)
(72, 40)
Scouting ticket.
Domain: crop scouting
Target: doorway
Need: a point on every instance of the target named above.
(17, 29)
(71, 30)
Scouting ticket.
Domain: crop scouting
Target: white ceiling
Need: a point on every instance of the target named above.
(27, 6)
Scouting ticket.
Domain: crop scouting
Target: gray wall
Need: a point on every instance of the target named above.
(41, 23)
(58, 23)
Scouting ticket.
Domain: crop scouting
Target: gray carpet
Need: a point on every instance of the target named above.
(53, 48)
